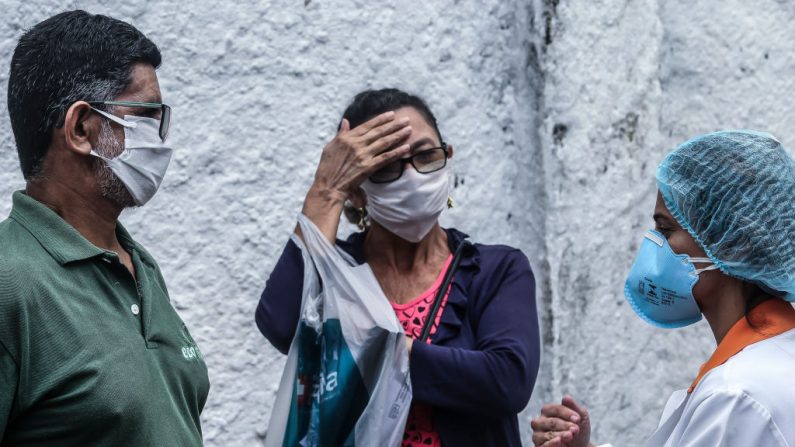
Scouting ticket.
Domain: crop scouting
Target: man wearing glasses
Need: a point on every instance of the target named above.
(91, 350)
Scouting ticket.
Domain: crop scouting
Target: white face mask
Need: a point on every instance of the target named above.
(144, 161)
(410, 206)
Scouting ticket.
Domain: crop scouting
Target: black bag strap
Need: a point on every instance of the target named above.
(437, 302)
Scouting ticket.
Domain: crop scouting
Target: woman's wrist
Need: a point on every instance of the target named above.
(324, 197)
(323, 207)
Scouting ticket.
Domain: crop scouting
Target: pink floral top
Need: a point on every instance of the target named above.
(412, 315)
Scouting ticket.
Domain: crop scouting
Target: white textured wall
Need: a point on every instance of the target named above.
(559, 112)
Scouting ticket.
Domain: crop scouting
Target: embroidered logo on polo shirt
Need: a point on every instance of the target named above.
(190, 351)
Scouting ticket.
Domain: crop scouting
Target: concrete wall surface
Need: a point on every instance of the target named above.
(559, 111)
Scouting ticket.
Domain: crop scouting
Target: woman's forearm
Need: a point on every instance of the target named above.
(323, 207)
(279, 306)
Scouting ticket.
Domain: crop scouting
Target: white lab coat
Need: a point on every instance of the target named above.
(749, 401)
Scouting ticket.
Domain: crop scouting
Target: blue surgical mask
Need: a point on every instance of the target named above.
(660, 284)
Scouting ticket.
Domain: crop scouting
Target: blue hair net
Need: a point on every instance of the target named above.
(734, 191)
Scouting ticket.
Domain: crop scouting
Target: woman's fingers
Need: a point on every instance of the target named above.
(388, 128)
(384, 134)
(543, 423)
(345, 126)
(560, 411)
(373, 123)
(551, 438)
(383, 159)
(388, 142)
(562, 424)
(570, 403)
(557, 442)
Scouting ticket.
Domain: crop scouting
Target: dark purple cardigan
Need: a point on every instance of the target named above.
(480, 369)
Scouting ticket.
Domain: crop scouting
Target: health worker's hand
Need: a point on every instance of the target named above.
(562, 425)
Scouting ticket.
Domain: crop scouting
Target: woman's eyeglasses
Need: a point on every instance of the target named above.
(424, 162)
(165, 112)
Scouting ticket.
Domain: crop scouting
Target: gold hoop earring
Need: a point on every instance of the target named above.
(450, 203)
(362, 224)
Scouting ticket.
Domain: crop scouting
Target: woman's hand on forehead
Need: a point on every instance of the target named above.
(347, 160)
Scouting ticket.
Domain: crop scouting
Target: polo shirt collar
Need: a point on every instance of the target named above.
(61, 240)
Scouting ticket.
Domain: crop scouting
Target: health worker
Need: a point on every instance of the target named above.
(723, 247)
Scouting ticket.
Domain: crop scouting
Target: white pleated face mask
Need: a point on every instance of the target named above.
(410, 206)
(145, 159)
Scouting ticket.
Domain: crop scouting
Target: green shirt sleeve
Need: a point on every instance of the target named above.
(9, 377)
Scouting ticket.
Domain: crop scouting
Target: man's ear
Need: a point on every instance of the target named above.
(450, 151)
(80, 128)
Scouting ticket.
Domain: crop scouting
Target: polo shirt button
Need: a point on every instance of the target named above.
(135, 309)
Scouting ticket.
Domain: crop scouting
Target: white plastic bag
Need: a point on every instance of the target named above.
(346, 381)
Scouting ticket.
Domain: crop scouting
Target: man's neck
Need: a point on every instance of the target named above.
(91, 215)
(382, 246)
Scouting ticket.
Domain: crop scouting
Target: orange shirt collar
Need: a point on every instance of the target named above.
(770, 318)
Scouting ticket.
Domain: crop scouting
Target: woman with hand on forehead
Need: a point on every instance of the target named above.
(476, 369)
(723, 247)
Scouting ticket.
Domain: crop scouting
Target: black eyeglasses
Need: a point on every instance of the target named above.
(165, 112)
(424, 162)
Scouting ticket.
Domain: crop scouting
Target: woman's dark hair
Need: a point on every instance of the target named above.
(371, 103)
(69, 57)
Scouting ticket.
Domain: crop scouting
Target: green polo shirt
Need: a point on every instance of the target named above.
(90, 356)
